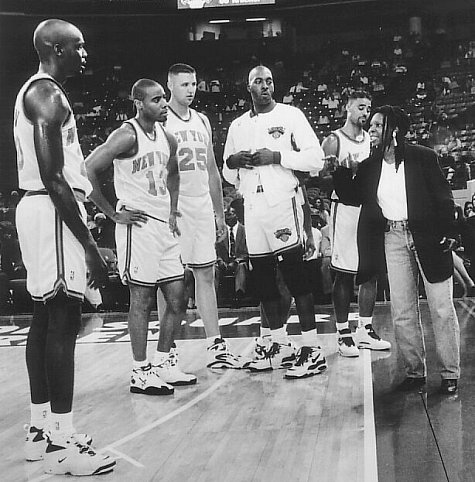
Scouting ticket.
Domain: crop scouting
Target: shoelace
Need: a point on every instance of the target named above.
(372, 333)
(173, 355)
(302, 355)
(273, 350)
(84, 448)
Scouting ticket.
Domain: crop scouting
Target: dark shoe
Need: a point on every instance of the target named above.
(410, 384)
(448, 386)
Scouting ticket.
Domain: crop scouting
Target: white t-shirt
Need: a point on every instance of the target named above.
(391, 192)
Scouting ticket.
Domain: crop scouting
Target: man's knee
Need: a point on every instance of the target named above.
(204, 274)
(343, 280)
(174, 294)
(265, 278)
(64, 314)
(295, 271)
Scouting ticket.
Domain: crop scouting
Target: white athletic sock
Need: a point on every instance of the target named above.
(137, 365)
(364, 321)
(309, 338)
(342, 326)
(265, 332)
(61, 425)
(159, 358)
(279, 335)
(40, 415)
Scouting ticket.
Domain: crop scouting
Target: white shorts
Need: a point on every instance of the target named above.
(343, 235)
(272, 229)
(147, 255)
(198, 231)
(53, 257)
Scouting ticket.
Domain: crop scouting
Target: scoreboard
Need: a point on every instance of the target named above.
(221, 3)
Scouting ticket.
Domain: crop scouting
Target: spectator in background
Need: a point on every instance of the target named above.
(321, 210)
(326, 254)
(468, 209)
(468, 236)
(103, 231)
(453, 143)
(10, 254)
(467, 241)
(232, 254)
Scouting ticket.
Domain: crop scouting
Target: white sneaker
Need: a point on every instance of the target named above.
(366, 337)
(146, 381)
(219, 356)
(310, 362)
(37, 441)
(72, 458)
(346, 344)
(278, 355)
(169, 372)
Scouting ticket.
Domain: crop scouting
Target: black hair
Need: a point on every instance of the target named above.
(138, 89)
(394, 118)
(357, 94)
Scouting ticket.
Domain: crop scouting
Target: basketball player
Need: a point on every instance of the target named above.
(201, 199)
(146, 181)
(57, 248)
(262, 149)
(350, 145)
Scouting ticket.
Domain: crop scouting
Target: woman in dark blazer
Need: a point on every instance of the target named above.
(407, 224)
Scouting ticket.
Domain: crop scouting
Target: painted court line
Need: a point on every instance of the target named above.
(179, 410)
(370, 455)
(121, 455)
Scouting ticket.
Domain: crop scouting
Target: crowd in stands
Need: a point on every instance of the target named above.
(435, 85)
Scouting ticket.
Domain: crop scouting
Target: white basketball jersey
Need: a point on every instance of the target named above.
(192, 153)
(141, 180)
(350, 149)
(74, 169)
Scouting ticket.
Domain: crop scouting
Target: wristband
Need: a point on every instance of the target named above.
(276, 157)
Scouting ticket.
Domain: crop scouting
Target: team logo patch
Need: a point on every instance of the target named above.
(283, 234)
(276, 132)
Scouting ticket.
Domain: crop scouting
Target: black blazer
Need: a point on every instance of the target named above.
(430, 209)
(240, 247)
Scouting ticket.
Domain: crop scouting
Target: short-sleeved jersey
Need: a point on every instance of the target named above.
(74, 169)
(350, 149)
(193, 140)
(140, 181)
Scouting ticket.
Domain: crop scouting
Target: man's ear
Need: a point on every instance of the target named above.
(58, 49)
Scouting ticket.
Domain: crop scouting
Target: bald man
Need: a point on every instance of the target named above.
(146, 180)
(263, 148)
(57, 249)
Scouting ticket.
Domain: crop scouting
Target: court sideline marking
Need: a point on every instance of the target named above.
(370, 453)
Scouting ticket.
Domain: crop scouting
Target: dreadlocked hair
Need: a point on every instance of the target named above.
(394, 118)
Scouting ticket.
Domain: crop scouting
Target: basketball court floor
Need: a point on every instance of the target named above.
(345, 425)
